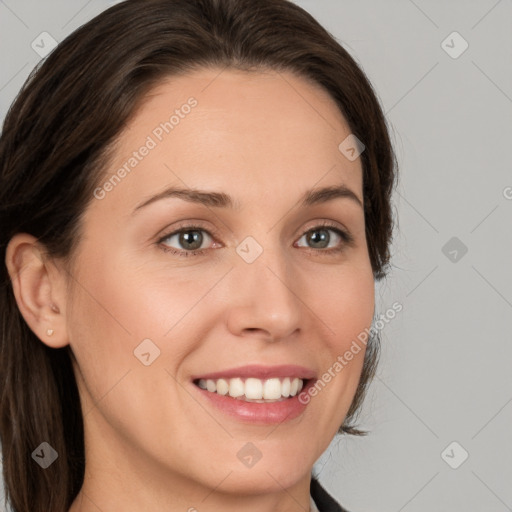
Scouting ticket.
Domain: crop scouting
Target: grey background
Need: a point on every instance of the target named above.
(445, 369)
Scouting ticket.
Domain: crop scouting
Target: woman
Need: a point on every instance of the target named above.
(195, 206)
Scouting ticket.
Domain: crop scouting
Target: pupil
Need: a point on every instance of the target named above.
(196, 239)
(324, 237)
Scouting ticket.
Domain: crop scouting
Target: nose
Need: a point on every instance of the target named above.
(265, 298)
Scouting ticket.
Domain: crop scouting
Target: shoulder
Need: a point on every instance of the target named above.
(324, 501)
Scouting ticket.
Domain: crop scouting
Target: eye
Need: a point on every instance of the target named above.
(320, 237)
(190, 240)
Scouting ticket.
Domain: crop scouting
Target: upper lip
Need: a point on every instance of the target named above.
(260, 372)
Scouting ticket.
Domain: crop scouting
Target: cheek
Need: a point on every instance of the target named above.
(346, 308)
(345, 302)
(120, 303)
(105, 324)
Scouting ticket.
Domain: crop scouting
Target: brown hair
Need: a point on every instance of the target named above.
(53, 151)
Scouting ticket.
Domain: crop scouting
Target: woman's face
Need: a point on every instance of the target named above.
(272, 292)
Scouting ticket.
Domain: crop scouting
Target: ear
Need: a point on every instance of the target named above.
(39, 289)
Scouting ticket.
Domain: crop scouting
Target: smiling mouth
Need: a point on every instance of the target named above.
(251, 389)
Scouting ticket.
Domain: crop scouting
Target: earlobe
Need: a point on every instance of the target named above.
(38, 290)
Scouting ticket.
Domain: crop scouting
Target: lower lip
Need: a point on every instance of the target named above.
(258, 413)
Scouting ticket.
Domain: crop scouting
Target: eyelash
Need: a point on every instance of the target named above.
(347, 240)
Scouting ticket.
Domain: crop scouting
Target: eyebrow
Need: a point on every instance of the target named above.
(222, 200)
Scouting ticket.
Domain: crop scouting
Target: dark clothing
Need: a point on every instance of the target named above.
(324, 501)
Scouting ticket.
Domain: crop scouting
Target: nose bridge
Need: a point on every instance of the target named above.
(266, 264)
(266, 288)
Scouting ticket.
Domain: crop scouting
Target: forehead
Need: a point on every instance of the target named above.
(262, 134)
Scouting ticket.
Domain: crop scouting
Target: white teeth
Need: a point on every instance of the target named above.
(294, 387)
(211, 386)
(285, 387)
(272, 389)
(254, 389)
(222, 387)
(236, 388)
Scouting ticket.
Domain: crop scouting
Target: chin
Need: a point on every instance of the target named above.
(278, 467)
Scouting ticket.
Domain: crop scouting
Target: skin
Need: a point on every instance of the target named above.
(151, 444)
